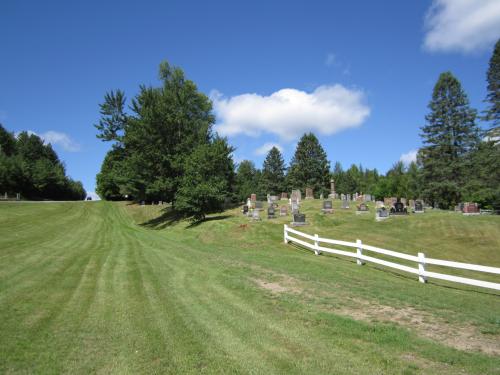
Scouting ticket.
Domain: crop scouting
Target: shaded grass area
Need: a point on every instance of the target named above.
(84, 288)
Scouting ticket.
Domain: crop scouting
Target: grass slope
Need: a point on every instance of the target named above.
(92, 287)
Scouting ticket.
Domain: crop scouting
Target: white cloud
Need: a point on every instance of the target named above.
(58, 138)
(409, 157)
(264, 149)
(61, 139)
(289, 113)
(331, 60)
(462, 25)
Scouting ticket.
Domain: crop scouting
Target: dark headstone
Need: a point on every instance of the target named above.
(399, 209)
(419, 206)
(299, 219)
(245, 209)
(327, 207)
(270, 212)
(382, 214)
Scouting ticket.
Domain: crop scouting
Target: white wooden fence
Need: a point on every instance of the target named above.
(420, 259)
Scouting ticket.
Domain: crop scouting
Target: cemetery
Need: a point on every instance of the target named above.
(324, 199)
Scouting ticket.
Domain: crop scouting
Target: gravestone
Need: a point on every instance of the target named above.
(403, 200)
(343, 197)
(470, 208)
(253, 197)
(348, 197)
(419, 207)
(381, 214)
(327, 207)
(345, 204)
(295, 208)
(332, 189)
(274, 198)
(321, 196)
(270, 212)
(296, 195)
(283, 211)
(143, 203)
(368, 197)
(259, 205)
(388, 202)
(256, 215)
(362, 209)
(249, 202)
(379, 204)
(309, 193)
(399, 209)
(245, 210)
(268, 197)
(298, 220)
(411, 203)
(284, 196)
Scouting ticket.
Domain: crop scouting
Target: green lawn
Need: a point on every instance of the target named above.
(109, 288)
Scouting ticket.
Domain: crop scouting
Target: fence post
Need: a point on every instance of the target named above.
(284, 234)
(359, 252)
(421, 268)
(316, 245)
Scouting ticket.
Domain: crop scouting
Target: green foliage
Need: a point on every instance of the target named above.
(309, 167)
(33, 169)
(113, 120)
(449, 136)
(207, 181)
(246, 180)
(492, 113)
(273, 173)
(166, 125)
(483, 185)
(7, 142)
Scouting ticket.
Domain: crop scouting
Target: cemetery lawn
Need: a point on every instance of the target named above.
(114, 288)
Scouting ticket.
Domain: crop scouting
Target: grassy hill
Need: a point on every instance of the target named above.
(117, 288)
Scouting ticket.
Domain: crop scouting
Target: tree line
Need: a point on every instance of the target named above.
(32, 168)
(164, 148)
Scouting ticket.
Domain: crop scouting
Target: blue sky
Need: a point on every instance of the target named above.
(359, 74)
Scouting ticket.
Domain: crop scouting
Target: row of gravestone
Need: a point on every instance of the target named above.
(297, 196)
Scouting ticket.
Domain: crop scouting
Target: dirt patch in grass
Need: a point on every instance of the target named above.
(286, 284)
(463, 337)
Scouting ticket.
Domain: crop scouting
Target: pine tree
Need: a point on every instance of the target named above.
(207, 181)
(492, 113)
(449, 135)
(309, 166)
(273, 172)
(246, 180)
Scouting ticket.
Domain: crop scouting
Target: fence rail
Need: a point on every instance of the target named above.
(421, 260)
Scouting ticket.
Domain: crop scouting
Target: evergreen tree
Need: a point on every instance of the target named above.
(167, 124)
(309, 166)
(273, 172)
(207, 181)
(492, 113)
(448, 136)
(246, 180)
(7, 142)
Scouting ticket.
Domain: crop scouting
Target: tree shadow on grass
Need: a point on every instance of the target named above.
(168, 218)
(171, 217)
(211, 218)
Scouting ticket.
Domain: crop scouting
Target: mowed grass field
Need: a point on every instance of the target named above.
(114, 288)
